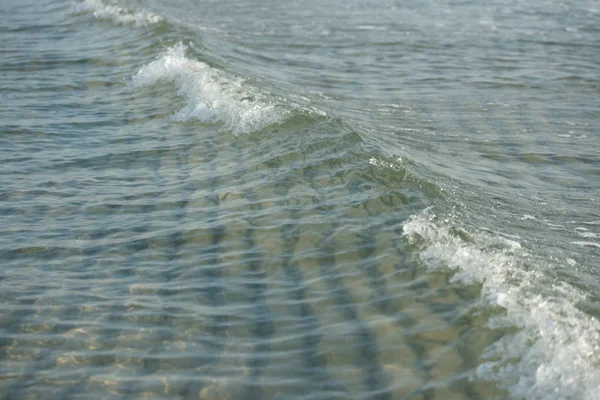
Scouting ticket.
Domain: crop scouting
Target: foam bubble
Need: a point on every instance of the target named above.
(113, 11)
(395, 163)
(555, 352)
(210, 95)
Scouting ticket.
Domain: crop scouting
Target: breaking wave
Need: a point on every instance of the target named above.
(211, 96)
(120, 15)
(554, 352)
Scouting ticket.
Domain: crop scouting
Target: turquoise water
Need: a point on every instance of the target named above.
(299, 200)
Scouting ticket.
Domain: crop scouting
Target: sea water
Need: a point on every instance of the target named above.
(364, 199)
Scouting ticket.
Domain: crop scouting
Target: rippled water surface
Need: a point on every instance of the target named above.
(367, 199)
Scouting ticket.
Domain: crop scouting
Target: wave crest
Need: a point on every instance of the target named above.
(554, 353)
(210, 95)
(118, 14)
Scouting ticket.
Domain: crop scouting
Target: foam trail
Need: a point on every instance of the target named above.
(110, 10)
(555, 353)
(210, 95)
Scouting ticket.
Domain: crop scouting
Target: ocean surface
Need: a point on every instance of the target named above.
(308, 199)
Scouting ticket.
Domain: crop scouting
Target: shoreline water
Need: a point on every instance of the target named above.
(339, 200)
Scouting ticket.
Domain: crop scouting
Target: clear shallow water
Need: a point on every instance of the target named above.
(299, 200)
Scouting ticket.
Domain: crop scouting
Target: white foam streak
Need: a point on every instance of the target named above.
(120, 15)
(210, 95)
(555, 353)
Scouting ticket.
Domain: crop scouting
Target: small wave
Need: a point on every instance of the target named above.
(555, 352)
(107, 10)
(396, 164)
(586, 244)
(210, 95)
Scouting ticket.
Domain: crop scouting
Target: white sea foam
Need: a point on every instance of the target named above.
(395, 163)
(118, 13)
(210, 95)
(586, 244)
(555, 352)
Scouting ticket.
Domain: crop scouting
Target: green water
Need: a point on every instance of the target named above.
(299, 200)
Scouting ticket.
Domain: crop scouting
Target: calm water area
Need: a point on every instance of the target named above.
(300, 199)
